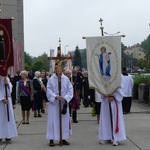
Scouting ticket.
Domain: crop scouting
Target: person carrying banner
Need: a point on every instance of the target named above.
(24, 94)
(112, 131)
(127, 85)
(53, 108)
(7, 128)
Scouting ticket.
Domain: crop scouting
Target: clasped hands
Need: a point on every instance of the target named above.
(5, 101)
(5, 81)
(111, 98)
(60, 98)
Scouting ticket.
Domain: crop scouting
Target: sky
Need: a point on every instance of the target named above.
(47, 20)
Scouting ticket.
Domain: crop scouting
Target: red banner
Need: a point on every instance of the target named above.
(6, 46)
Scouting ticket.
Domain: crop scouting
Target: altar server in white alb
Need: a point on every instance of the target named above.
(127, 86)
(115, 131)
(7, 126)
(53, 132)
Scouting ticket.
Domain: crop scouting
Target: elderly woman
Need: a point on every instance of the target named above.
(86, 90)
(24, 93)
(38, 88)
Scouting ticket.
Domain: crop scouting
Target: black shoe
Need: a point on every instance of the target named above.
(51, 143)
(64, 142)
(75, 121)
(43, 111)
(8, 141)
(1, 142)
(64, 110)
(39, 115)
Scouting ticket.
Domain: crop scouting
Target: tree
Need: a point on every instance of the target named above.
(77, 58)
(38, 65)
(45, 60)
(27, 67)
(146, 45)
(124, 56)
(28, 59)
(142, 63)
(83, 58)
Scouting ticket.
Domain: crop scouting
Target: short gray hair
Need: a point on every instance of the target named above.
(67, 70)
(24, 72)
(37, 74)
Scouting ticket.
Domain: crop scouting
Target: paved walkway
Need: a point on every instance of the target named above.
(32, 136)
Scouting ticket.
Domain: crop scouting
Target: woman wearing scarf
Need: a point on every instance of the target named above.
(24, 92)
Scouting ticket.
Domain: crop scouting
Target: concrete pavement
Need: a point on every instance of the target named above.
(32, 136)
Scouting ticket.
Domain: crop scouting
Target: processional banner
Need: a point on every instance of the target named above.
(104, 63)
(6, 46)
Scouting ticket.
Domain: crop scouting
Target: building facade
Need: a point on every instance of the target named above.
(136, 51)
(9, 9)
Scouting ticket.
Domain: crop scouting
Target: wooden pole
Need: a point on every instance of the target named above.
(7, 108)
(59, 60)
(59, 87)
(110, 110)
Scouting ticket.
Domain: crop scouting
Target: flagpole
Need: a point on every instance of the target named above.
(7, 99)
(110, 110)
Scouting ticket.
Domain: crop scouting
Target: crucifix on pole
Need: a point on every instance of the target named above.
(101, 27)
(59, 59)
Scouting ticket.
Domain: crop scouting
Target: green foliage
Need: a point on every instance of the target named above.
(28, 59)
(27, 67)
(123, 47)
(45, 60)
(38, 65)
(83, 58)
(141, 63)
(138, 79)
(77, 58)
(146, 45)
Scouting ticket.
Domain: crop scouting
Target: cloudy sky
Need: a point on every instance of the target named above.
(47, 20)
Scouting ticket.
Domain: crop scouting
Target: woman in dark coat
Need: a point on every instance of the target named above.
(38, 88)
(44, 98)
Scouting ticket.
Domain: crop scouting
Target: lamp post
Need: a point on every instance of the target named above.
(65, 49)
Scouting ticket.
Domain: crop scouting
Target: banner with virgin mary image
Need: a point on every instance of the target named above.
(104, 63)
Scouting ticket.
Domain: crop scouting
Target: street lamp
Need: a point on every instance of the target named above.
(65, 49)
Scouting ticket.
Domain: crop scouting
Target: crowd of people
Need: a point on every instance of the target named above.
(34, 90)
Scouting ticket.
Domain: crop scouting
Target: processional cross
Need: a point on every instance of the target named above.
(101, 27)
(59, 59)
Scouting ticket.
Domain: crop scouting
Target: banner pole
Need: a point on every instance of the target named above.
(7, 104)
(110, 110)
